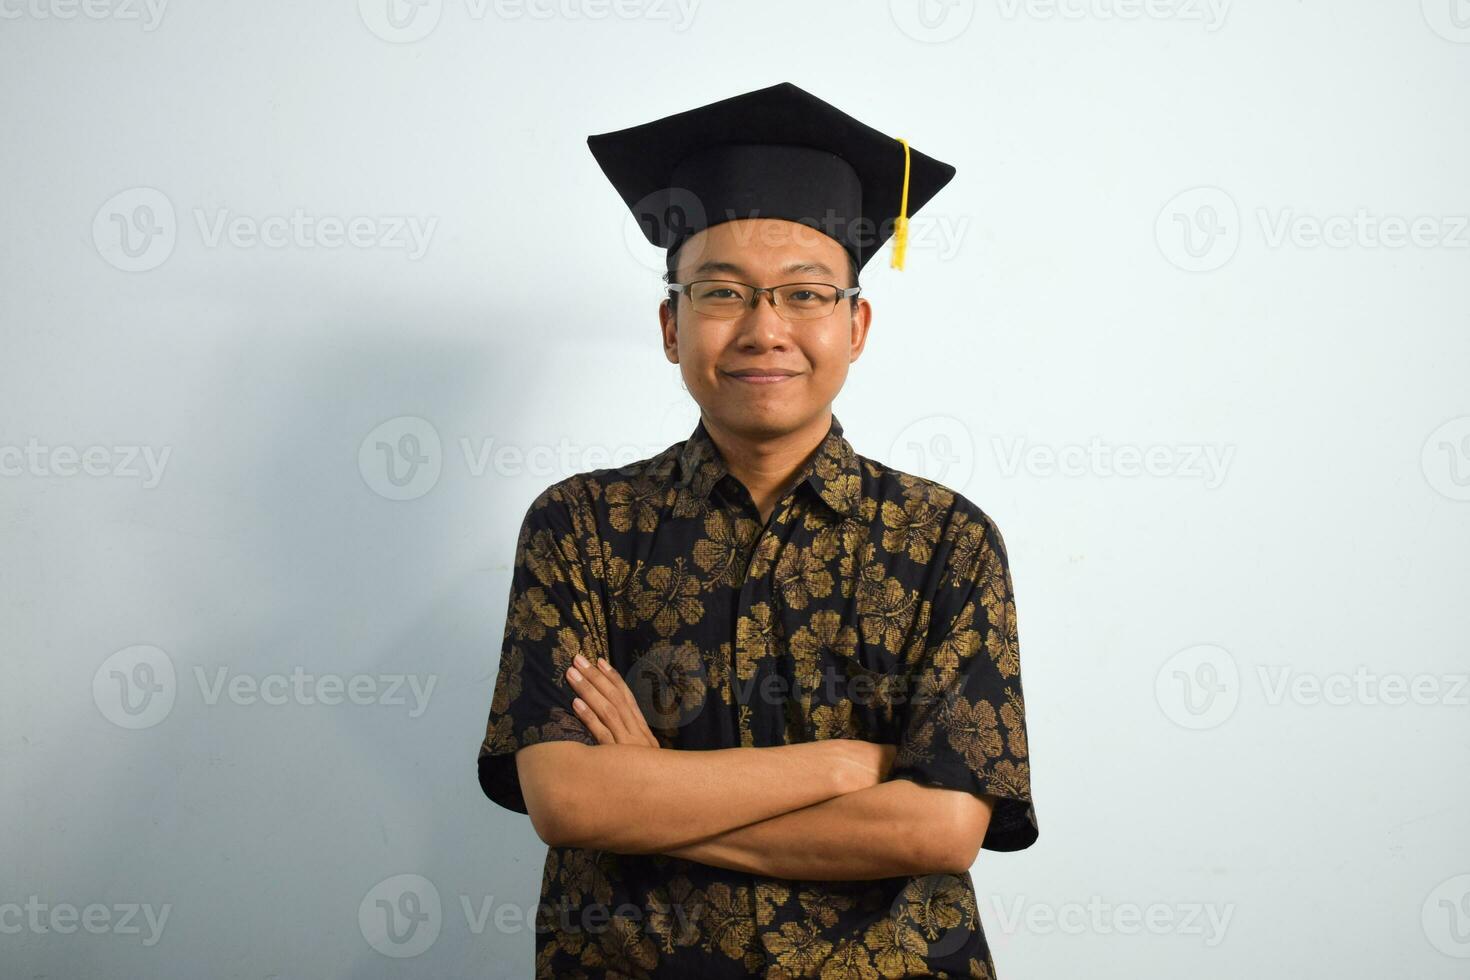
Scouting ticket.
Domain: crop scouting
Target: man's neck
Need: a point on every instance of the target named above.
(766, 466)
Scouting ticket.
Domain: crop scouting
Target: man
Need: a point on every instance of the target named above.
(761, 695)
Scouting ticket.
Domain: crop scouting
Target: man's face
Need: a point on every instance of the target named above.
(813, 355)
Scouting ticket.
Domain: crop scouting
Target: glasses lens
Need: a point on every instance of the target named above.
(714, 297)
(805, 300)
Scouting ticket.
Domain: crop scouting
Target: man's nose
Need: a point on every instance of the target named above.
(763, 317)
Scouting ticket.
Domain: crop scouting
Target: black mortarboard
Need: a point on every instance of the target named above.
(777, 152)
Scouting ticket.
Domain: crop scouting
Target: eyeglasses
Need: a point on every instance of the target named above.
(727, 299)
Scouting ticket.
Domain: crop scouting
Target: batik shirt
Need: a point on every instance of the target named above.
(873, 604)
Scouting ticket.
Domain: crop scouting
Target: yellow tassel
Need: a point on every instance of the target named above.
(901, 227)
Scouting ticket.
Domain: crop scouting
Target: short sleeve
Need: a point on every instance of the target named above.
(962, 724)
(551, 617)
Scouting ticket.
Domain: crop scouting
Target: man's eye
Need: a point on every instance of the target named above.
(803, 295)
(721, 293)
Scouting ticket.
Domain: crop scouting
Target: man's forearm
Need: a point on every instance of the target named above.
(893, 828)
(639, 800)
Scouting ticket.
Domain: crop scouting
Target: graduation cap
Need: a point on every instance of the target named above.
(777, 152)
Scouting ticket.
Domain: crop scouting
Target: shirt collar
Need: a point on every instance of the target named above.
(833, 471)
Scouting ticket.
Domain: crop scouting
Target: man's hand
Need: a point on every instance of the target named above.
(596, 796)
(606, 705)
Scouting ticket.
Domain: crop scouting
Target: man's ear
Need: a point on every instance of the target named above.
(862, 318)
(669, 329)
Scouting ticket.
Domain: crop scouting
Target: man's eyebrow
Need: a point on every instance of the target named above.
(736, 269)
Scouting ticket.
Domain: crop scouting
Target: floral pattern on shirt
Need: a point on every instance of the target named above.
(873, 604)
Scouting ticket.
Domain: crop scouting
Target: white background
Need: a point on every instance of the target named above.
(1124, 263)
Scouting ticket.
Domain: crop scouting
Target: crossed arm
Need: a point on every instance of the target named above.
(817, 810)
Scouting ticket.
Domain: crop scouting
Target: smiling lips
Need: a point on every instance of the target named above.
(762, 376)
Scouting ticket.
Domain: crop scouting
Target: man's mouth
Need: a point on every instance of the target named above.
(762, 376)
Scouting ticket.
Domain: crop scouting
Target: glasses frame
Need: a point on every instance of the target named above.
(843, 292)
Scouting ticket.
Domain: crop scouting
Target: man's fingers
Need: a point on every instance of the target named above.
(610, 701)
(607, 682)
(620, 685)
(636, 720)
(584, 683)
(589, 718)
